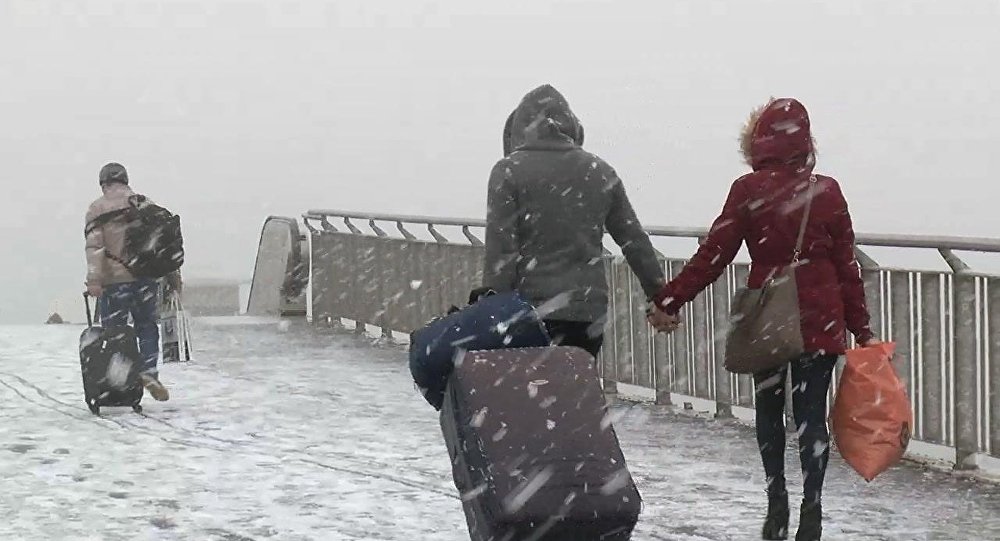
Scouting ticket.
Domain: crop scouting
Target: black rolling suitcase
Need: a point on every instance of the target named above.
(109, 361)
(534, 455)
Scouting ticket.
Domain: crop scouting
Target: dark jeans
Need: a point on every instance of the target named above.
(137, 299)
(582, 334)
(810, 383)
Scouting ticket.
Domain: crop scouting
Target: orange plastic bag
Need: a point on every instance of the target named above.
(871, 417)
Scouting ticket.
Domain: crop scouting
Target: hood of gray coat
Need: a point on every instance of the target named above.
(542, 121)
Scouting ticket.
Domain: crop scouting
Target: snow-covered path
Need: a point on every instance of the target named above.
(290, 433)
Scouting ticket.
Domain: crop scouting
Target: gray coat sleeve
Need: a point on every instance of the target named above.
(625, 229)
(502, 250)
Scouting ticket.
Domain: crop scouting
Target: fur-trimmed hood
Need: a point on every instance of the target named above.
(778, 135)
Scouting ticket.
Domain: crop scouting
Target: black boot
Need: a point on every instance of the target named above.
(810, 522)
(776, 522)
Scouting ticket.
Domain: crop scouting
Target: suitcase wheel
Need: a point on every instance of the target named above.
(137, 408)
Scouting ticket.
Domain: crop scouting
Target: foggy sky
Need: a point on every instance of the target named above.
(227, 111)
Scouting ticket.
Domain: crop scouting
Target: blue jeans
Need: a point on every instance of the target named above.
(137, 299)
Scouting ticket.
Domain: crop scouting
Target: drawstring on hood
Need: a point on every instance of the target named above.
(777, 135)
(542, 121)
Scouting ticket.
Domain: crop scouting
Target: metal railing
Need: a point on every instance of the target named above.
(946, 324)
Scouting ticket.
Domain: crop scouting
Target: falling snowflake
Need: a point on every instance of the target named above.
(479, 418)
(118, 371)
(527, 489)
(615, 482)
(534, 385)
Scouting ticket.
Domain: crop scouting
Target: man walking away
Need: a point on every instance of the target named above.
(129, 242)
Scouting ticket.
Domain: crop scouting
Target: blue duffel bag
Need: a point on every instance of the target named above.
(497, 321)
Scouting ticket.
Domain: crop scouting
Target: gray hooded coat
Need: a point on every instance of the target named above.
(549, 205)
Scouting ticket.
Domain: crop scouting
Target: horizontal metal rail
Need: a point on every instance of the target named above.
(396, 218)
(930, 242)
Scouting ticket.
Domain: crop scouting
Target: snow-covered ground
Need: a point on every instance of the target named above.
(284, 432)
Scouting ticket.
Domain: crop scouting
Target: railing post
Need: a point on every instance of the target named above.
(360, 327)
(965, 395)
(473, 240)
(623, 321)
(661, 366)
(900, 300)
(720, 323)
(871, 274)
(403, 231)
(932, 396)
(680, 351)
(351, 227)
(378, 230)
(993, 332)
(660, 356)
(609, 363)
(438, 237)
(744, 382)
(382, 316)
(326, 225)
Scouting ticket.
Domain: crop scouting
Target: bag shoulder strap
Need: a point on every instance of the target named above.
(140, 202)
(805, 220)
(105, 219)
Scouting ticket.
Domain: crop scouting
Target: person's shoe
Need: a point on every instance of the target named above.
(155, 388)
(776, 521)
(810, 522)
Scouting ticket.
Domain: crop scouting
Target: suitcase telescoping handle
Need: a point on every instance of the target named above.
(86, 303)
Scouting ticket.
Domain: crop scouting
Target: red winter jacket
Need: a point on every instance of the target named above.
(764, 209)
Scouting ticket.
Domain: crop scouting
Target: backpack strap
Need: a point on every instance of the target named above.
(118, 260)
(104, 219)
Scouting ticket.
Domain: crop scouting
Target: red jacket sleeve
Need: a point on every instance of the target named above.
(715, 253)
(852, 286)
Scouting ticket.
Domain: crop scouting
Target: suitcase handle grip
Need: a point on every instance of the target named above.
(86, 304)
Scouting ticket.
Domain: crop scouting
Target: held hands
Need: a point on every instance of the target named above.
(95, 290)
(660, 320)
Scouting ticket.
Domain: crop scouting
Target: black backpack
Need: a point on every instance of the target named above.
(154, 246)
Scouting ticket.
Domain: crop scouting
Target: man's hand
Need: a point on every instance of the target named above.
(95, 290)
(175, 283)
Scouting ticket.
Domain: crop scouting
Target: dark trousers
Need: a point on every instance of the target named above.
(136, 299)
(810, 383)
(582, 334)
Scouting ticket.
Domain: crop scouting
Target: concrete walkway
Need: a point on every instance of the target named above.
(284, 432)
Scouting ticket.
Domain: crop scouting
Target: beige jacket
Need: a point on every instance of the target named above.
(110, 239)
